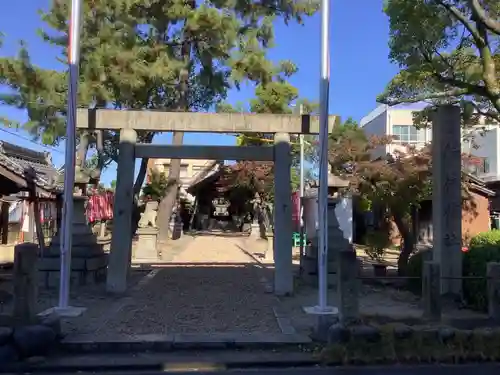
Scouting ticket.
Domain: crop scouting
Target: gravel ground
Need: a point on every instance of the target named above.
(383, 301)
(204, 284)
(211, 286)
(92, 296)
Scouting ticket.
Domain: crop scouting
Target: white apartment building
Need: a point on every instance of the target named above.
(486, 145)
(398, 122)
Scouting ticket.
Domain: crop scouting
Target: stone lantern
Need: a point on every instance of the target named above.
(339, 228)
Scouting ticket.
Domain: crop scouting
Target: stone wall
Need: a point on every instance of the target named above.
(83, 270)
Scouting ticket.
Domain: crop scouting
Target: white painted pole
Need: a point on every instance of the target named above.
(301, 196)
(323, 159)
(301, 142)
(69, 173)
(301, 192)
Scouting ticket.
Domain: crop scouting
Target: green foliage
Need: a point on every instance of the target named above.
(399, 344)
(277, 97)
(377, 241)
(397, 183)
(113, 184)
(415, 268)
(448, 53)
(274, 97)
(132, 56)
(483, 248)
(157, 187)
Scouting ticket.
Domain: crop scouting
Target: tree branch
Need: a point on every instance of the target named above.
(478, 11)
(491, 83)
(423, 97)
(463, 19)
(473, 89)
(490, 114)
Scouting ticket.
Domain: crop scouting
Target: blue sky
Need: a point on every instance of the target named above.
(360, 68)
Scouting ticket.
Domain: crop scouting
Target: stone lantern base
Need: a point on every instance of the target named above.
(88, 259)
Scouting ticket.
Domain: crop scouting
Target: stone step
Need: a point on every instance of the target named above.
(181, 341)
(185, 361)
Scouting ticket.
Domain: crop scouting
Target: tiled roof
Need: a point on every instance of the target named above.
(23, 161)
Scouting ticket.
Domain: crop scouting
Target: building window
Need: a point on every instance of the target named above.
(486, 165)
(477, 166)
(183, 172)
(408, 134)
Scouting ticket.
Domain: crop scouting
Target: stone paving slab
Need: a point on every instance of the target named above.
(167, 342)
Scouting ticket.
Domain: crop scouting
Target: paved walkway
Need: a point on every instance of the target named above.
(212, 285)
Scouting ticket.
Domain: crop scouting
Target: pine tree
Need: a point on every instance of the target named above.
(149, 54)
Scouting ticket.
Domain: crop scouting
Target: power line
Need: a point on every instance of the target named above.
(30, 140)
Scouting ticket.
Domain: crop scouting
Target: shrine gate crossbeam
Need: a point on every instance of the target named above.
(128, 122)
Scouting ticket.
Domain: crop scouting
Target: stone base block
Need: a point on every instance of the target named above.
(312, 279)
(83, 271)
(269, 256)
(145, 248)
(6, 254)
(310, 265)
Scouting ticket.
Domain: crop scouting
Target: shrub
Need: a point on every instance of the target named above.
(414, 269)
(483, 248)
(377, 241)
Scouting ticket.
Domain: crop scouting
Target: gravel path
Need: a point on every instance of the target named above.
(210, 286)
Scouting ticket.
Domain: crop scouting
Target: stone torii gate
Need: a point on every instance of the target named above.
(128, 122)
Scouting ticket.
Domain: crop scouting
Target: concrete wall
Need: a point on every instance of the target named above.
(486, 146)
(375, 123)
(477, 218)
(404, 117)
(189, 168)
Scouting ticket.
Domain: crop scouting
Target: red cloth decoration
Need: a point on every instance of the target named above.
(100, 207)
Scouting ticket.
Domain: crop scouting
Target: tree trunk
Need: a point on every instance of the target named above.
(404, 229)
(166, 206)
(140, 176)
(167, 203)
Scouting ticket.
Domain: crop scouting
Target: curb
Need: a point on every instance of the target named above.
(167, 343)
(129, 365)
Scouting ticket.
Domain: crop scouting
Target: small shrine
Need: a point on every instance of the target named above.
(220, 205)
(29, 184)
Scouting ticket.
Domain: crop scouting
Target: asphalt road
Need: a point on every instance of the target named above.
(483, 369)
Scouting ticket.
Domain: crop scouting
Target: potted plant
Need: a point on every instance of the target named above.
(377, 242)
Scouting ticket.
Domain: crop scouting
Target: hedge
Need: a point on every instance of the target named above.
(483, 248)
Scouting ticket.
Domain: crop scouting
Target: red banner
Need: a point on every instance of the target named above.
(296, 210)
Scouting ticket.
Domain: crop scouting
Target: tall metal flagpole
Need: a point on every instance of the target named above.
(322, 310)
(69, 174)
(323, 157)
